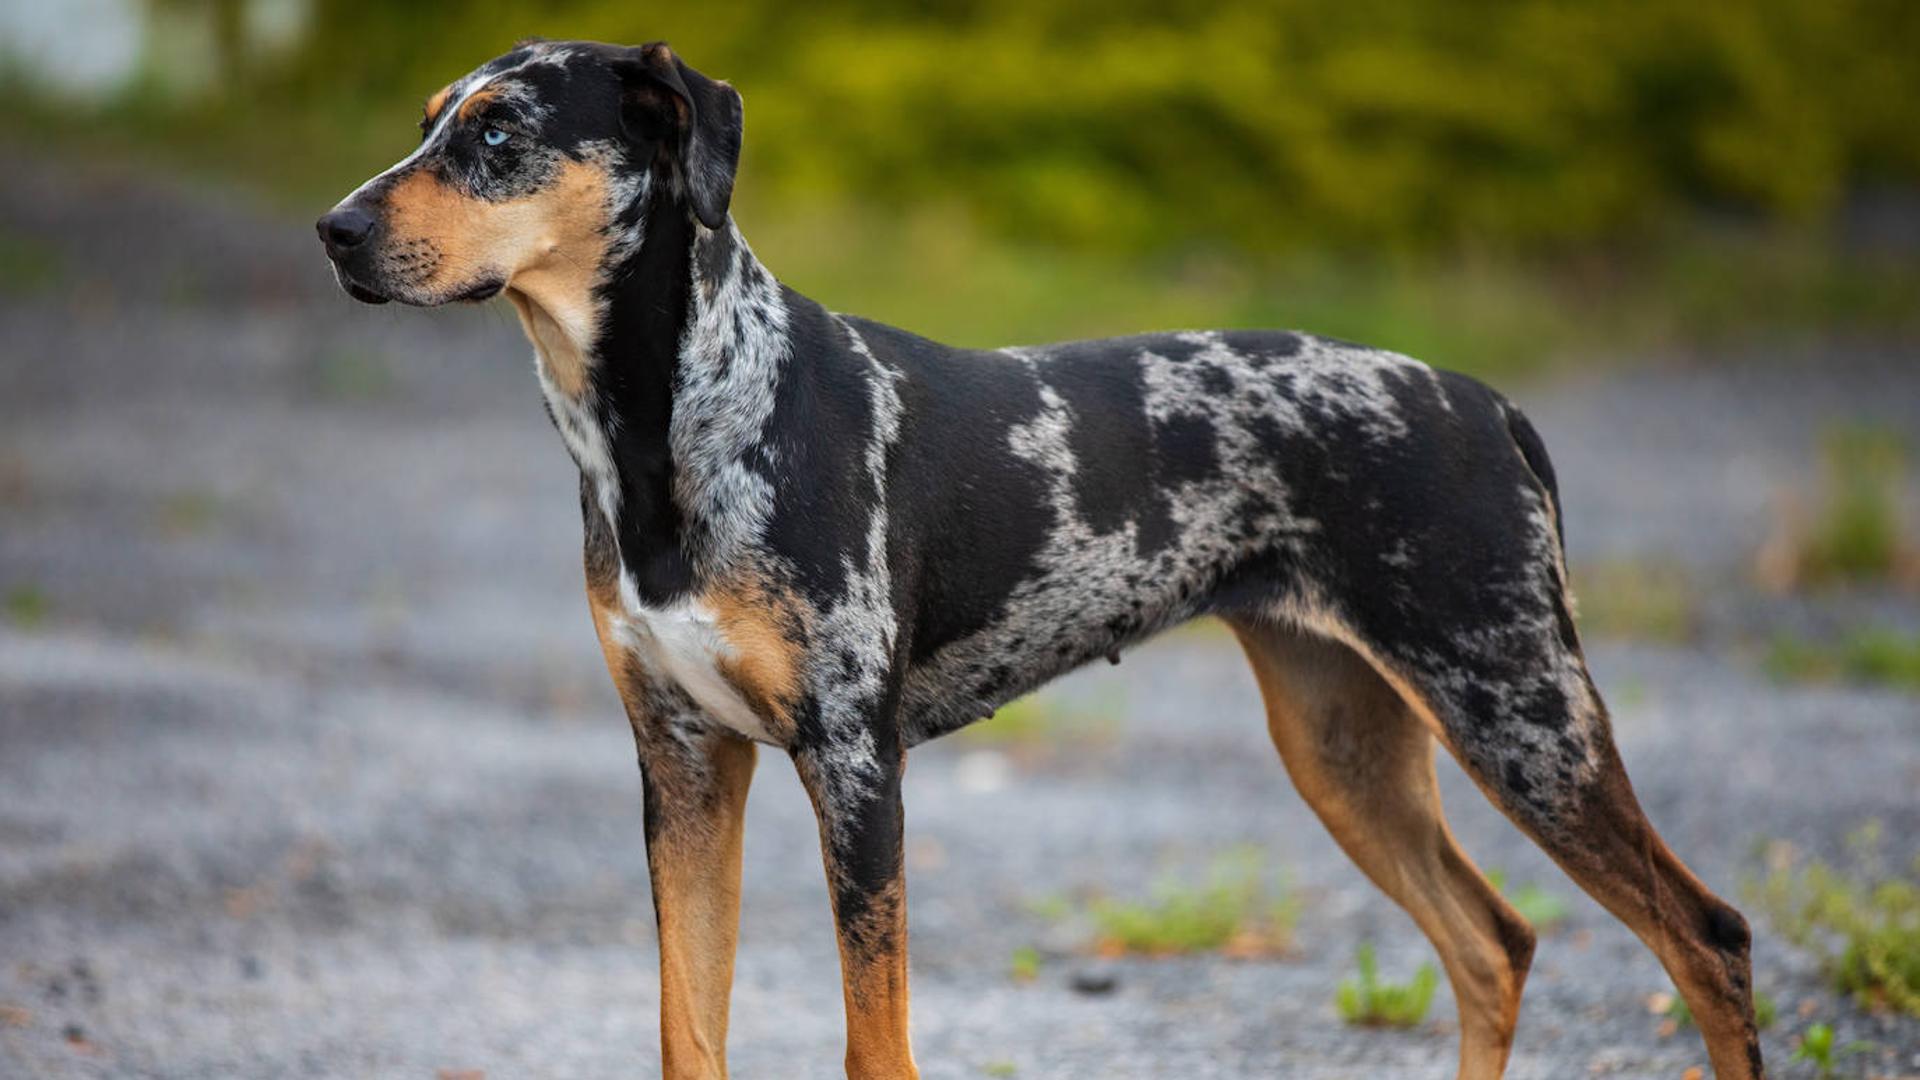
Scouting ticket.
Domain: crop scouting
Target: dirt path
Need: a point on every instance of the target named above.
(308, 766)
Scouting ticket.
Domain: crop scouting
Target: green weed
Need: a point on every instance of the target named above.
(1029, 722)
(1863, 920)
(1817, 1048)
(27, 265)
(1535, 904)
(1628, 693)
(1239, 910)
(348, 375)
(1053, 907)
(189, 513)
(27, 606)
(1369, 1002)
(1635, 601)
(1859, 535)
(1025, 965)
(1876, 657)
(1539, 907)
(1765, 1011)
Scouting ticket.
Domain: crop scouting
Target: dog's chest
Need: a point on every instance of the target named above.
(682, 645)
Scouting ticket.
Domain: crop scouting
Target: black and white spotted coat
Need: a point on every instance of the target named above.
(945, 529)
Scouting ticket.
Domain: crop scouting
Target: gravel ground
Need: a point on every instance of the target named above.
(308, 765)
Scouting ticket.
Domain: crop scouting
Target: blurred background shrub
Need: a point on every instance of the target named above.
(1483, 183)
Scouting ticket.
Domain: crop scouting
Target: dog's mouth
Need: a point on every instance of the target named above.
(362, 293)
(484, 290)
(480, 291)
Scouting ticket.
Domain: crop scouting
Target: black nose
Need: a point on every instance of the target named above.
(344, 228)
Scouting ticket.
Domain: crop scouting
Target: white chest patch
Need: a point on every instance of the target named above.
(683, 644)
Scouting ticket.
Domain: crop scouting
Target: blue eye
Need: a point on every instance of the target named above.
(493, 136)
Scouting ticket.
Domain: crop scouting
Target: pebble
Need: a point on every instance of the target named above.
(1094, 982)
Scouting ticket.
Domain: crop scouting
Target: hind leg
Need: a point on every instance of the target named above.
(1364, 763)
(1517, 708)
(1618, 858)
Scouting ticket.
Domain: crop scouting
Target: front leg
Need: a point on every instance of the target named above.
(855, 786)
(696, 792)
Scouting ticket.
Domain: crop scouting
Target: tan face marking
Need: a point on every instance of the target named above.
(474, 102)
(437, 102)
(550, 247)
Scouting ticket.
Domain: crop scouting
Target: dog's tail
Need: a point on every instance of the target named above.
(1534, 453)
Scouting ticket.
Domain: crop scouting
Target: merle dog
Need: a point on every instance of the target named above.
(823, 534)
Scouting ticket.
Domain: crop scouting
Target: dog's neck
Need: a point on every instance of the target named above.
(661, 390)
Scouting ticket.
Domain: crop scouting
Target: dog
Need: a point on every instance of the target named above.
(819, 533)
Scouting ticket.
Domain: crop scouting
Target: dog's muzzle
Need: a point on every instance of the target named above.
(344, 230)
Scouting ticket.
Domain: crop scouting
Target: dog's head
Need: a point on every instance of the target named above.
(533, 174)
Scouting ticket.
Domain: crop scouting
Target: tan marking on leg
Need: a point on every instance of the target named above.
(696, 801)
(766, 627)
(873, 969)
(1617, 857)
(694, 859)
(873, 940)
(1703, 942)
(763, 626)
(604, 602)
(1620, 860)
(1365, 765)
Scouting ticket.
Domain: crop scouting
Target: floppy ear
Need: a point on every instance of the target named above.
(698, 119)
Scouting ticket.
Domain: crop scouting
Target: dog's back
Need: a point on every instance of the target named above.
(1056, 504)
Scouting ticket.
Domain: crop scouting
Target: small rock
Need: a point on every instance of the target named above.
(1094, 982)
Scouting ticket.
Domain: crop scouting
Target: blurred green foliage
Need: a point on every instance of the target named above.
(1638, 601)
(1860, 533)
(27, 266)
(27, 606)
(1870, 656)
(1542, 909)
(1129, 124)
(1173, 162)
(1863, 919)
